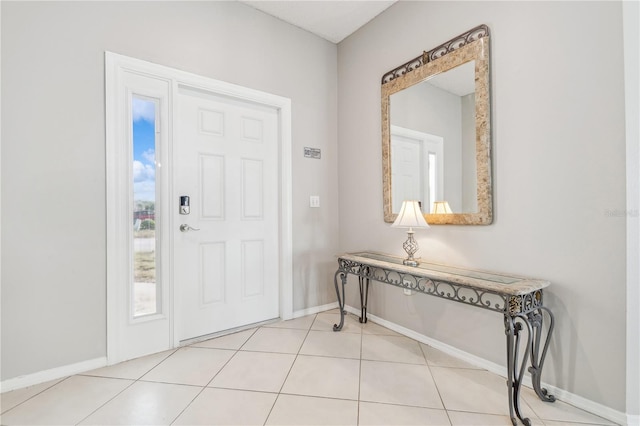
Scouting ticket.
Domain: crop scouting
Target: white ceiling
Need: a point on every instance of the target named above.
(332, 20)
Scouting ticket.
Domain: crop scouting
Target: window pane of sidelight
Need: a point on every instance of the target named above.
(433, 176)
(145, 279)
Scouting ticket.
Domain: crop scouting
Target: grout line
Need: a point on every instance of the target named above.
(134, 381)
(188, 405)
(34, 395)
(444, 407)
(333, 398)
(108, 401)
(248, 338)
(206, 385)
(290, 368)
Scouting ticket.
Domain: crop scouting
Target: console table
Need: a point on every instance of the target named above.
(518, 299)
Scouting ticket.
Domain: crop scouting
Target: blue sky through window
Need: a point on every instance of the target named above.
(144, 142)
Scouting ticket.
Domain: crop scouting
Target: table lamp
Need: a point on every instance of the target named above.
(410, 216)
(441, 207)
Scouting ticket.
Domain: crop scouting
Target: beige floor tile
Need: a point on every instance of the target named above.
(281, 340)
(8, 400)
(391, 348)
(325, 322)
(257, 371)
(132, 369)
(438, 358)
(302, 323)
(325, 377)
(554, 423)
(459, 418)
(190, 366)
(476, 391)
(403, 384)
(228, 407)
(68, 402)
(303, 410)
(331, 343)
(559, 411)
(145, 403)
(386, 414)
(236, 379)
(230, 341)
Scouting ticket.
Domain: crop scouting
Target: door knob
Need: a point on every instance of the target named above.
(186, 228)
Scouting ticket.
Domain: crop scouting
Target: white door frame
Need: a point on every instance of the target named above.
(114, 65)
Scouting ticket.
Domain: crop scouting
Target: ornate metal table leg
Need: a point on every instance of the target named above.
(364, 295)
(343, 278)
(537, 358)
(516, 367)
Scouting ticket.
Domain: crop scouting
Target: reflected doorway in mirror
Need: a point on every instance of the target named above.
(417, 166)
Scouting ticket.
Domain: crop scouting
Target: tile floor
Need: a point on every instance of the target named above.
(297, 372)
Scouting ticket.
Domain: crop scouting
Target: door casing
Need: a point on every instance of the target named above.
(117, 265)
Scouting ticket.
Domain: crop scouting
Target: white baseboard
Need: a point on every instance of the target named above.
(314, 310)
(52, 374)
(561, 394)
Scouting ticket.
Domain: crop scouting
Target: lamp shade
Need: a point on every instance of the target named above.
(410, 216)
(441, 207)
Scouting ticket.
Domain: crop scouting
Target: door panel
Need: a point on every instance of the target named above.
(408, 178)
(252, 197)
(211, 179)
(212, 275)
(226, 160)
(252, 268)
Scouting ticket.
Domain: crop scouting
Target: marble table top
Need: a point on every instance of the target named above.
(492, 281)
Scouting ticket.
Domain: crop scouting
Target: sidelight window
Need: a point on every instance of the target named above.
(144, 141)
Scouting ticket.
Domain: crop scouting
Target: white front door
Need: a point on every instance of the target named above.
(407, 178)
(226, 250)
(229, 149)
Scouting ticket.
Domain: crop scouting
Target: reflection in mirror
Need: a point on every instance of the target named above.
(417, 166)
(436, 139)
(437, 119)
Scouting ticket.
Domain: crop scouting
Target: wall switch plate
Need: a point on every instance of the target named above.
(314, 201)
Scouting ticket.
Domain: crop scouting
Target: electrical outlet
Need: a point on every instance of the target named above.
(407, 292)
(314, 201)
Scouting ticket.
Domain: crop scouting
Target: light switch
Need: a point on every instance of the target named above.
(314, 201)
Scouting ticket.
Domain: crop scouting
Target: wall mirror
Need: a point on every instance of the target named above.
(436, 136)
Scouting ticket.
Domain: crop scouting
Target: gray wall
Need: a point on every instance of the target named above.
(631, 25)
(53, 143)
(558, 152)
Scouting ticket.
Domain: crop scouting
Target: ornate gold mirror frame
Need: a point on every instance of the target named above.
(470, 46)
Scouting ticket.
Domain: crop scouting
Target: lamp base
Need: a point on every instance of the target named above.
(411, 247)
(410, 262)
